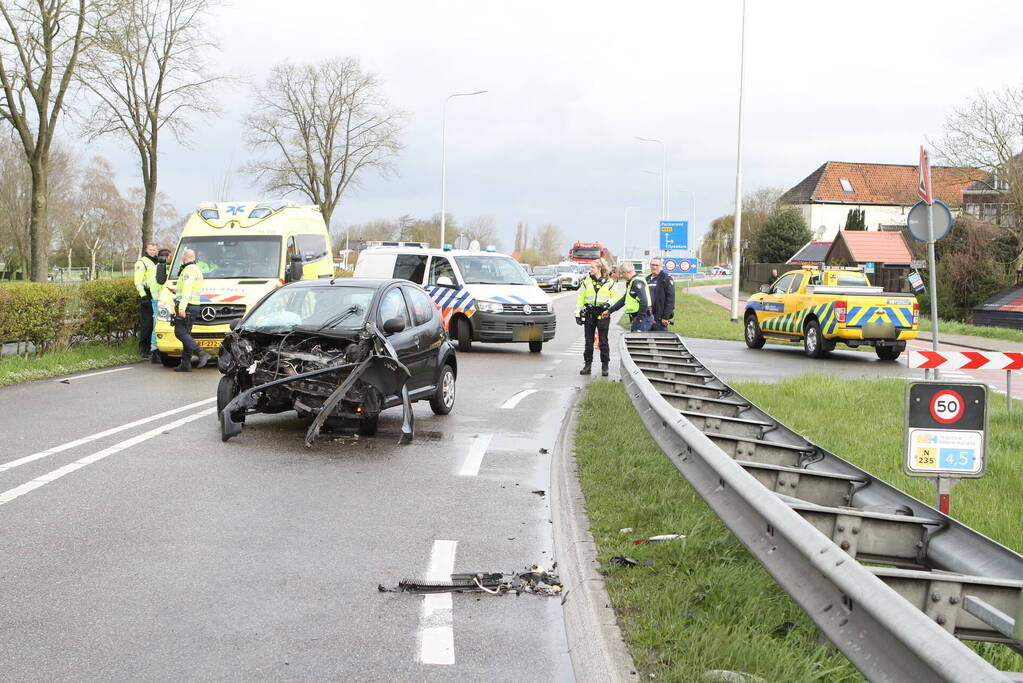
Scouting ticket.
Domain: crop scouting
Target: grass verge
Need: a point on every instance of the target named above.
(956, 327)
(15, 369)
(706, 603)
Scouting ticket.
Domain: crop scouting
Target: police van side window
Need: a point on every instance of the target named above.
(410, 267)
(440, 267)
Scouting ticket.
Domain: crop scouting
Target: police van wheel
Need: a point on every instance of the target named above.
(754, 339)
(535, 346)
(463, 330)
(887, 352)
(170, 361)
(812, 341)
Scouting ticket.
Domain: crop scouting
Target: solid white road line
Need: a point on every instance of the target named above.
(91, 374)
(514, 400)
(99, 435)
(477, 449)
(18, 491)
(437, 635)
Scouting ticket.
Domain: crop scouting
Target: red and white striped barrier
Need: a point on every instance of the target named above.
(965, 360)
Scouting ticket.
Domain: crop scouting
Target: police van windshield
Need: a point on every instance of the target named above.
(491, 270)
(250, 256)
(317, 309)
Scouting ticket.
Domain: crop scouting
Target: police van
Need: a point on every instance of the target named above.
(482, 295)
(245, 249)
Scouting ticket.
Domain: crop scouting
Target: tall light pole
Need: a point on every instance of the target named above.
(665, 201)
(625, 232)
(443, 160)
(737, 237)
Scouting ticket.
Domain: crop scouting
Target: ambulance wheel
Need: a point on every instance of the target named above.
(887, 352)
(813, 343)
(463, 330)
(169, 361)
(754, 339)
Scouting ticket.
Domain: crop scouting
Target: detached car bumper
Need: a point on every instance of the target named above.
(511, 327)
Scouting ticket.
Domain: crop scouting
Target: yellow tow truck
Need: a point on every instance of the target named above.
(824, 306)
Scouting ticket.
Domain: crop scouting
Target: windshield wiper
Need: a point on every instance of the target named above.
(340, 317)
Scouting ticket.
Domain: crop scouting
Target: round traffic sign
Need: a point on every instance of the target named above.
(685, 265)
(947, 406)
(670, 264)
(917, 220)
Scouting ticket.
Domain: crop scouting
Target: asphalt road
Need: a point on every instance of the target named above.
(134, 545)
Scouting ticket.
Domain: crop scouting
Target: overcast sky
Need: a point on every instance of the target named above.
(570, 83)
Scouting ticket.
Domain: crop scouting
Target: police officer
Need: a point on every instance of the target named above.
(145, 270)
(662, 296)
(636, 300)
(596, 292)
(189, 294)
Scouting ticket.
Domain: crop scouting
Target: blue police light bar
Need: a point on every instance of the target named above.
(447, 247)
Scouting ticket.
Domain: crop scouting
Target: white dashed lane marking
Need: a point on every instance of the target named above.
(437, 635)
(477, 449)
(514, 400)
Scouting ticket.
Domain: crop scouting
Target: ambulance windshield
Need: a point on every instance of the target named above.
(251, 256)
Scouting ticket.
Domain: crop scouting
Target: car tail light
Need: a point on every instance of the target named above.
(916, 312)
(840, 307)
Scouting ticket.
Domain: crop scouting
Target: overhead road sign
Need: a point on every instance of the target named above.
(674, 235)
(681, 266)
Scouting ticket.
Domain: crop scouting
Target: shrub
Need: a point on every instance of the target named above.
(109, 308)
(36, 313)
(783, 234)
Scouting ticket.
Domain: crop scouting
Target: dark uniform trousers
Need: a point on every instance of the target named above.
(600, 326)
(642, 322)
(183, 331)
(145, 325)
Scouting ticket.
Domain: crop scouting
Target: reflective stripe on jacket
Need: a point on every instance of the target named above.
(145, 268)
(591, 294)
(189, 287)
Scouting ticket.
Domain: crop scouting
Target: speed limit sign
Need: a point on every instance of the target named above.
(946, 429)
(946, 406)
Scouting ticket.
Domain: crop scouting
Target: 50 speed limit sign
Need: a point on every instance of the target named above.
(946, 429)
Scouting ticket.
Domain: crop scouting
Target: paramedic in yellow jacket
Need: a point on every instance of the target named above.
(145, 269)
(187, 308)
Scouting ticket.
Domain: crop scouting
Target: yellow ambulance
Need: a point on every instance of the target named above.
(245, 249)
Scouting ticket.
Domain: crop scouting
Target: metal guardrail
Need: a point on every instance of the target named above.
(900, 622)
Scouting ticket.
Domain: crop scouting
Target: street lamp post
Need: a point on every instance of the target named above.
(443, 160)
(665, 201)
(736, 239)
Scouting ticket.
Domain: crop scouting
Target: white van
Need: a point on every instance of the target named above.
(483, 296)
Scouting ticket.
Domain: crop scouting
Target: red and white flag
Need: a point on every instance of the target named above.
(925, 179)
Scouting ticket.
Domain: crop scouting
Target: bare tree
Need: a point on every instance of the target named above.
(547, 243)
(148, 74)
(325, 124)
(103, 212)
(483, 229)
(40, 43)
(985, 134)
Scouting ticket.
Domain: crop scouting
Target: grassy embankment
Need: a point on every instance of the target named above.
(706, 603)
(14, 369)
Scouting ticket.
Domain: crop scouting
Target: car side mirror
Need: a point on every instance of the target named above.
(294, 270)
(445, 281)
(234, 324)
(394, 326)
(765, 289)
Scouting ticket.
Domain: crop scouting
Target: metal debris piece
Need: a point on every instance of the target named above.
(540, 492)
(657, 539)
(533, 581)
(622, 561)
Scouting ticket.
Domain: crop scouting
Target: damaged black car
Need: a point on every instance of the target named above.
(337, 352)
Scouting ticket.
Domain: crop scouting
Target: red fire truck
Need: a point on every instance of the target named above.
(587, 252)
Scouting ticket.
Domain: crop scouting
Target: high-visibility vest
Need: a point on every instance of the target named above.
(590, 294)
(632, 304)
(145, 268)
(189, 287)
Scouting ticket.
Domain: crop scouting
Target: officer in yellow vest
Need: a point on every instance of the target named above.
(636, 300)
(187, 305)
(155, 282)
(596, 292)
(145, 269)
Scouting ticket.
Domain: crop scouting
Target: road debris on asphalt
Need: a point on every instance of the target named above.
(533, 581)
(658, 539)
(540, 492)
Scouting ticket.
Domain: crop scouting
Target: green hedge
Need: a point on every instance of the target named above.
(50, 315)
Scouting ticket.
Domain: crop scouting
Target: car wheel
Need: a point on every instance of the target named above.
(812, 341)
(170, 361)
(368, 425)
(754, 339)
(444, 400)
(463, 330)
(535, 346)
(227, 389)
(887, 352)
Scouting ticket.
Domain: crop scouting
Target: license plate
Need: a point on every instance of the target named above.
(527, 333)
(208, 343)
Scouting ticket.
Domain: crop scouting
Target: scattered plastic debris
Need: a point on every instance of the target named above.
(731, 676)
(658, 539)
(543, 451)
(626, 530)
(540, 492)
(533, 581)
(65, 381)
(622, 561)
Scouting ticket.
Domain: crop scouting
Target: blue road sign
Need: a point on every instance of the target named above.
(674, 235)
(681, 266)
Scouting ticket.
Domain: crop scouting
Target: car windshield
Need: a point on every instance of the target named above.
(317, 308)
(491, 270)
(544, 272)
(567, 269)
(255, 256)
(586, 252)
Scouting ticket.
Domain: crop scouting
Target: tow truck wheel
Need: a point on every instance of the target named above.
(463, 330)
(887, 352)
(812, 342)
(754, 339)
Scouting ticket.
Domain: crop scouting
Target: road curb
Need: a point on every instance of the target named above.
(595, 641)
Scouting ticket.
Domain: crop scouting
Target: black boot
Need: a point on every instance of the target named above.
(202, 359)
(585, 370)
(603, 369)
(154, 358)
(186, 363)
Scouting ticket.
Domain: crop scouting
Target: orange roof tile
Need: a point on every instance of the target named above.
(880, 184)
(879, 247)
